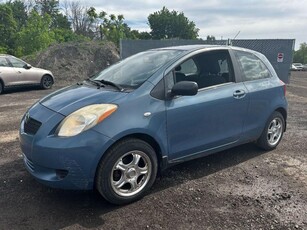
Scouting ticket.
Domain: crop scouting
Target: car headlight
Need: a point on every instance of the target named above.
(84, 119)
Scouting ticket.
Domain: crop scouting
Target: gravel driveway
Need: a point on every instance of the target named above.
(241, 188)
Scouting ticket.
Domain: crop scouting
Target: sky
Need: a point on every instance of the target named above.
(255, 19)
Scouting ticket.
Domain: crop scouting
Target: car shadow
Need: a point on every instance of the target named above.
(206, 166)
(30, 204)
(21, 89)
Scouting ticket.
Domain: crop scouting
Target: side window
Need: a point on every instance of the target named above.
(16, 62)
(169, 80)
(206, 69)
(186, 71)
(189, 67)
(3, 62)
(223, 66)
(213, 68)
(251, 66)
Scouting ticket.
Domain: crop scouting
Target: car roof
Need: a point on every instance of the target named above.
(6, 55)
(186, 47)
(198, 47)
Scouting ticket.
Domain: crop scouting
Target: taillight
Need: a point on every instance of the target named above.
(285, 87)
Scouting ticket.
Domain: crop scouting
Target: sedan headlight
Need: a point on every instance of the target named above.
(84, 119)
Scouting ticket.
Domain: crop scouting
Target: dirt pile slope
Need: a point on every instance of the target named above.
(72, 62)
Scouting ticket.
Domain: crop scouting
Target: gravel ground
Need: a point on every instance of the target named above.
(241, 188)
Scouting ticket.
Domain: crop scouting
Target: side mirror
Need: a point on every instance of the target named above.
(27, 66)
(184, 88)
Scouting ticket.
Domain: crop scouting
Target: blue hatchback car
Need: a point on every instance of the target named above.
(115, 130)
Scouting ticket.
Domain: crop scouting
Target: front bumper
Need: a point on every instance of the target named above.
(66, 163)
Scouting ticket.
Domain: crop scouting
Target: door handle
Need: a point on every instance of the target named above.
(239, 94)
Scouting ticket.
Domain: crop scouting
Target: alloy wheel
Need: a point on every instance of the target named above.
(131, 173)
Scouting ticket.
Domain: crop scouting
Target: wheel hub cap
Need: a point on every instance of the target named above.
(131, 173)
(275, 131)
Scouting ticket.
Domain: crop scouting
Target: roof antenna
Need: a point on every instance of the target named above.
(236, 35)
(229, 42)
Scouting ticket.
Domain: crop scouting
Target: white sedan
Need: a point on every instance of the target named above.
(15, 72)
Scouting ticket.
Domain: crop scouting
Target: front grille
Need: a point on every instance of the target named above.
(31, 125)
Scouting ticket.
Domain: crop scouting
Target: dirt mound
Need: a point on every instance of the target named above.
(72, 62)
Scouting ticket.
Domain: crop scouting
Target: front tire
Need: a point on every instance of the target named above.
(273, 132)
(127, 171)
(1, 87)
(46, 82)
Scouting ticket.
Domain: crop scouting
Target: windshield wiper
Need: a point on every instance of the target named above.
(112, 84)
(102, 83)
(96, 82)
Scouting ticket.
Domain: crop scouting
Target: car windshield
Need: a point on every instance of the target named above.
(135, 70)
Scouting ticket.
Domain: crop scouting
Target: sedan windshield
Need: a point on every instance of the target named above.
(135, 70)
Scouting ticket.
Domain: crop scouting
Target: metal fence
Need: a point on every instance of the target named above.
(278, 51)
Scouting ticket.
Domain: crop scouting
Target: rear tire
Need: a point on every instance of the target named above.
(273, 132)
(1, 87)
(46, 82)
(127, 171)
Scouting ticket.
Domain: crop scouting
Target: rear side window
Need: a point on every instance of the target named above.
(251, 66)
(3, 62)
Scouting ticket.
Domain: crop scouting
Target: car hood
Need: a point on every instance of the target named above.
(72, 98)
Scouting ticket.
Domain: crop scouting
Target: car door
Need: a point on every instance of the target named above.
(214, 117)
(17, 69)
(25, 75)
(7, 72)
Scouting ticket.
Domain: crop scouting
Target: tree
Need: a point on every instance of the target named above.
(36, 35)
(60, 26)
(19, 10)
(60, 21)
(8, 27)
(301, 54)
(114, 28)
(62, 35)
(144, 35)
(79, 17)
(165, 24)
(111, 28)
(210, 38)
(135, 34)
(51, 8)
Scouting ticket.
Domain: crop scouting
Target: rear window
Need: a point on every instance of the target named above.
(3, 62)
(251, 66)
